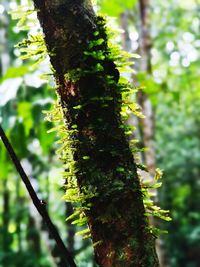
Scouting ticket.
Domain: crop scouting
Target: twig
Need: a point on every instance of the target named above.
(37, 202)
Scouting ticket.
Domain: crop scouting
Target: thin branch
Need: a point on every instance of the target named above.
(40, 206)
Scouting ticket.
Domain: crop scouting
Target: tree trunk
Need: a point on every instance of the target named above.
(147, 123)
(19, 214)
(126, 41)
(91, 103)
(6, 237)
(4, 51)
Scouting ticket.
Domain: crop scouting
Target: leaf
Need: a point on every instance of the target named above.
(83, 232)
(116, 7)
(15, 72)
(158, 174)
(46, 140)
(25, 112)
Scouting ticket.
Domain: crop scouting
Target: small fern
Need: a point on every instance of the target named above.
(34, 47)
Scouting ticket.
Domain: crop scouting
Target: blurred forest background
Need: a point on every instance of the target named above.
(167, 36)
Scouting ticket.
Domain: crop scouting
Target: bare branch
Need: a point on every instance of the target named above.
(40, 206)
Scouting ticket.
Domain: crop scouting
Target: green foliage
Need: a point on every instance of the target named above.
(173, 89)
(81, 199)
(29, 129)
(15, 72)
(148, 189)
(24, 16)
(21, 244)
(175, 70)
(115, 8)
(180, 192)
(33, 46)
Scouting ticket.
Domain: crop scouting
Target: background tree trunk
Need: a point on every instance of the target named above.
(145, 66)
(4, 52)
(6, 237)
(70, 229)
(147, 124)
(109, 172)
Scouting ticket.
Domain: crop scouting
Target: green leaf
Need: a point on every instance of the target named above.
(116, 7)
(14, 72)
(25, 112)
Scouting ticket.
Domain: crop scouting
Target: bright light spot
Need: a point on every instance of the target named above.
(169, 46)
(18, 62)
(13, 5)
(187, 4)
(184, 48)
(134, 36)
(11, 228)
(134, 46)
(33, 16)
(157, 10)
(44, 101)
(195, 24)
(192, 55)
(158, 80)
(173, 63)
(188, 37)
(34, 80)
(197, 43)
(2, 9)
(35, 186)
(27, 166)
(160, 74)
(156, 73)
(34, 30)
(8, 90)
(54, 173)
(16, 52)
(12, 121)
(175, 56)
(24, 2)
(16, 29)
(185, 62)
(35, 147)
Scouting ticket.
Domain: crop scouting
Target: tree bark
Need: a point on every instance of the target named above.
(145, 66)
(4, 50)
(147, 123)
(109, 172)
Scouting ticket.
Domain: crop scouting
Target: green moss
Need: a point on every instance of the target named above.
(102, 61)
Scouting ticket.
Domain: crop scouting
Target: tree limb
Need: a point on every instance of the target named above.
(41, 208)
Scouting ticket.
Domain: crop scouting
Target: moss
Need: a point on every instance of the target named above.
(90, 117)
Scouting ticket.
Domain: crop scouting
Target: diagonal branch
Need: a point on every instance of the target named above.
(40, 206)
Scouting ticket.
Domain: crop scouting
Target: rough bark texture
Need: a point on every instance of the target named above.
(116, 217)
